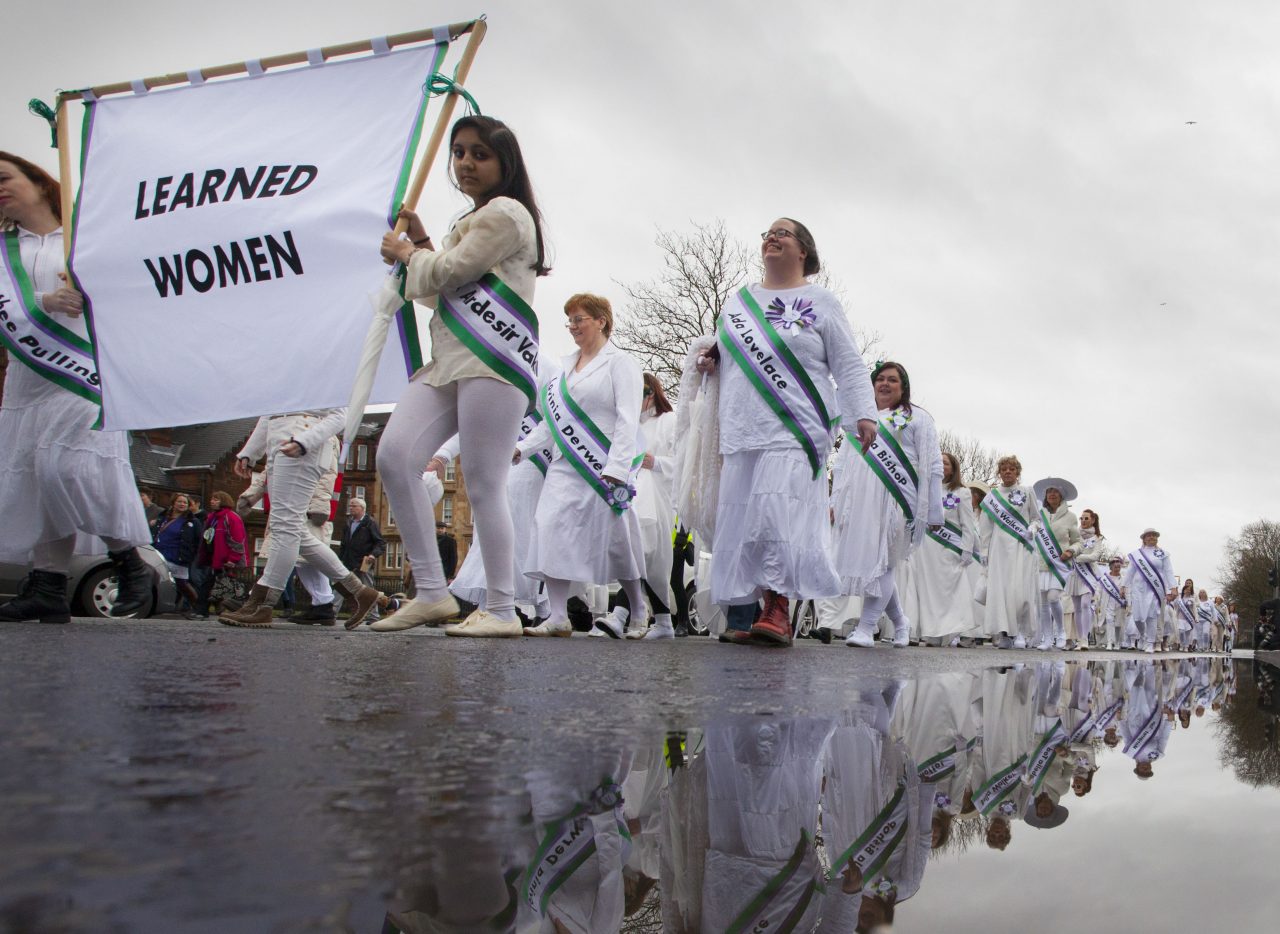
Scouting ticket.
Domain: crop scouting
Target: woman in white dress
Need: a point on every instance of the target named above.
(937, 595)
(787, 362)
(1057, 533)
(60, 477)
(656, 508)
(476, 386)
(586, 528)
(1008, 552)
(1088, 562)
(883, 500)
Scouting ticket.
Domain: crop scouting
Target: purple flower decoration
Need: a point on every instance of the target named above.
(800, 314)
(950, 501)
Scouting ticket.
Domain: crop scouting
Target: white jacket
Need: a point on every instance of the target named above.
(311, 428)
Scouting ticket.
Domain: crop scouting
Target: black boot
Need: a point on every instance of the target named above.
(133, 582)
(43, 597)
(321, 615)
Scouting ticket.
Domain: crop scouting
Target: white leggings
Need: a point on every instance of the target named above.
(887, 602)
(1050, 614)
(55, 556)
(485, 415)
(1083, 604)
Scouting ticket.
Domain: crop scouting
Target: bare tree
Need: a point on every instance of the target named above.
(977, 461)
(1247, 558)
(703, 268)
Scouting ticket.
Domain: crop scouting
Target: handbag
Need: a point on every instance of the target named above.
(229, 587)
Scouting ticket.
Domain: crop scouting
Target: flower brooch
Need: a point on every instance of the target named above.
(799, 314)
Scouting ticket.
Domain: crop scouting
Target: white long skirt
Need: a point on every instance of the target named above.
(871, 532)
(58, 476)
(524, 489)
(939, 599)
(577, 537)
(1012, 593)
(772, 529)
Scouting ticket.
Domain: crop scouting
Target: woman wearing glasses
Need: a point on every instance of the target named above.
(788, 368)
(586, 528)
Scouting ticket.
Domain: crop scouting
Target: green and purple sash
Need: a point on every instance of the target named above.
(50, 349)
(583, 444)
(949, 536)
(566, 845)
(775, 373)
(892, 467)
(1112, 588)
(785, 898)
(1007, 518)
(998, 787)
(1138, 747)
(496, 325)
(936, 768)
(1038, 768)
(1050, 550)
(1088, 576)
(540, 458)
(878, 841)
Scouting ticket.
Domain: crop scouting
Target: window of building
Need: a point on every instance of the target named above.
(390, 517)
(257, 546)
(358, 493)
(362, 457)
(446, 509)
(394, 556)
(450, 472)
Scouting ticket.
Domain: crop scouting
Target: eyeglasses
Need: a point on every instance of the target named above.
(577, 320)
(779, 234)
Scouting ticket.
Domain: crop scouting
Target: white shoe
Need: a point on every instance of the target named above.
(482, 624)
(902, 634)
(551, 627)
(1043, 646)
(1002, 641)
(1149, 648)
(860, 639)
(596, 633)
(955, 642)
(1020, 642)
(659, 631)
(614, 624)
(417, 613)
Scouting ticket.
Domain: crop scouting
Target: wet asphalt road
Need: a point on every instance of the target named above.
(187, 776)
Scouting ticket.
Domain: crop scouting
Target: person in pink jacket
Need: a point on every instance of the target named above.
(223, 546)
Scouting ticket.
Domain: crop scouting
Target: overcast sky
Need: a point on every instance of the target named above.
(1012, 194)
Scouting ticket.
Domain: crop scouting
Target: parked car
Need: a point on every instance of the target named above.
(91, 585)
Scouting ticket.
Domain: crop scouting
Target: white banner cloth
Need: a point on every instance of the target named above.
(227, 238)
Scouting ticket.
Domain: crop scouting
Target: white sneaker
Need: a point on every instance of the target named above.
(482, 624)
(658, 631)
(1043, 646)
(613, 624)
(902, 634)
(596, 634)
(417, 613)
(955, 642)
(1149, 648)
(860, 639)
(551, 627)
(1020, 642)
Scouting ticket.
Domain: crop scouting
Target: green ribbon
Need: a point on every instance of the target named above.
(439, 84)
(45, 112)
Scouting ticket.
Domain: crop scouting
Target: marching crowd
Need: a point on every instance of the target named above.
(804, 475)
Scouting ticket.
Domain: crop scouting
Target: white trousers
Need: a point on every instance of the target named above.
(292, 482)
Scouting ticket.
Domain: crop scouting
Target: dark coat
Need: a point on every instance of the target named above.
(448, 553)
(360, 540)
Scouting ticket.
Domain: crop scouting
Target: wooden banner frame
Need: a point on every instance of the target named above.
(475, 28)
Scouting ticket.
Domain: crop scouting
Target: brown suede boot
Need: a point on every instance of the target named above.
(257, 612)
(362, 599)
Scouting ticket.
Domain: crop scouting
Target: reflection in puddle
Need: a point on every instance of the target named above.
(837, 823)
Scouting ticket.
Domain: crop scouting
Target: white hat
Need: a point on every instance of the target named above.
(1149, 531)
(1065, 487)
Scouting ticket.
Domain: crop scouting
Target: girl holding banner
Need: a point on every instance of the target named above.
(883, 499)
(61, 477)
(1008, 549)
(586, 528)
(791, 358)
(1082, 584)
(936, 592)
(482, 375)
(1057, 535)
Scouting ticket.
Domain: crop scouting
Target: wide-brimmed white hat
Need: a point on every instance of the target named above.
(1148, 531)
(1065, 487)
(1055, 819)
(979, 485)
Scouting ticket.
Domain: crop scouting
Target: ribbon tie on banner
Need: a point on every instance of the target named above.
(439, 84)
(45, 112)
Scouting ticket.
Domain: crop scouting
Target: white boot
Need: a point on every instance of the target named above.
(636, 627)
(902, 633)
(615, 623)
(863, 637)
(662, 628)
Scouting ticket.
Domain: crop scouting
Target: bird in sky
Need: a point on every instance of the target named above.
(1191, 123)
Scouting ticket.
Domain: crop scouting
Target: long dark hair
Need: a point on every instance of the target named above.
(1097, 523)
(47, 184)
(956, 481)
(883, 365)
(812, 265)
(660, 404)
(514, 182)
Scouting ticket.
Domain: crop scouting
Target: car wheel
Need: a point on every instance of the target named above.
(695, 623)
(97, 595)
